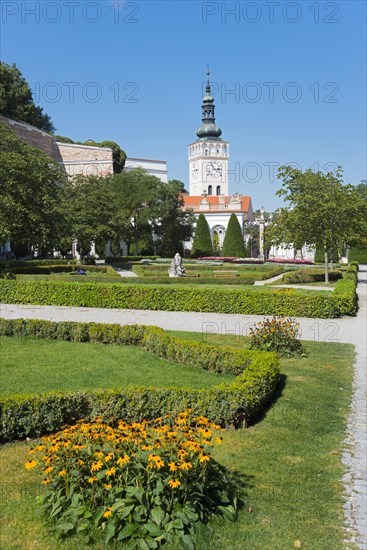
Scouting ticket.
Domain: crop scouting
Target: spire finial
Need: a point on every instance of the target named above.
(207, 81)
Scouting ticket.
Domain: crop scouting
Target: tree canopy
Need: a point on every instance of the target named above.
(321, 212)
(16, 99)
(31, 194)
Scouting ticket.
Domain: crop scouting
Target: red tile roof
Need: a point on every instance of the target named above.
(192, 201)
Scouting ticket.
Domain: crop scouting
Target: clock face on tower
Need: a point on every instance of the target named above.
(214, 169)
(195, 170)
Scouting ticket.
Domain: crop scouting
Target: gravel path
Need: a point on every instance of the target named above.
(351, 330)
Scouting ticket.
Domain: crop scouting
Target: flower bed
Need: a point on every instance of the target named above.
(141, 483)
(231, 259)
(290, 261)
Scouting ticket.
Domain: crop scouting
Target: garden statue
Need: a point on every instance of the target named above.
(176, 269)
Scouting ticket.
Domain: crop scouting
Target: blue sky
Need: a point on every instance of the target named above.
(134, 72)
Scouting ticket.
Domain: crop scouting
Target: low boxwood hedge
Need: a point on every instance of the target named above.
(228, 404)
(244, 300)
(310, 275)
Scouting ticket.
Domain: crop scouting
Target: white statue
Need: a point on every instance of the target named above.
(176, 269)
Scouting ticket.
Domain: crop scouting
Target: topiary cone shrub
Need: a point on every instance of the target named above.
(202, 245)
(233, 244)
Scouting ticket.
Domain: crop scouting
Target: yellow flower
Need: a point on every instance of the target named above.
(108, 457)
(108, 512)
(46, 481)
(62, 473)
(218, 440)
(147, 447)
(91, 480)
(30, 464)
(49, 469)
(204, 458)
(185, 465)
(172, 466)
(107, 485)
(123, 460)
(99, 454)
(81, 462)
(111, 471)
(96, 466)
(173, 483)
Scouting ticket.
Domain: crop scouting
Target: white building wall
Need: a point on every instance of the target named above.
(156, 168)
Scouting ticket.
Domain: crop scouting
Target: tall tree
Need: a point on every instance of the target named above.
(233, 244)
(202, 245)
(321, 210)
(16, 99)
(146, 207)
(91, 211)
(31, 194)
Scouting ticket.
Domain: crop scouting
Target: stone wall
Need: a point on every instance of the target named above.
(75, 159)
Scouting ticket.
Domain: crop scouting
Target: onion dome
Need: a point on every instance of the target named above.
(208, 129)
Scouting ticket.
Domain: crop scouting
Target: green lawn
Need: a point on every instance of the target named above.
(291, 460)
(36, 366)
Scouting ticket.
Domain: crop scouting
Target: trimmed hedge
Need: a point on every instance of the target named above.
(245, 300)
(310, 276)
(124, 259)
(57, 268)
(228, 404)
(70, 278)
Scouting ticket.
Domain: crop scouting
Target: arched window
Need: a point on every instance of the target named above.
(206, 152)
(210, 190)
(218, 189)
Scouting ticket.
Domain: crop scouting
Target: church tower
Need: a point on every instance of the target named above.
(208, 155)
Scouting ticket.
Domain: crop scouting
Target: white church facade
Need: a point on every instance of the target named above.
(208, 177)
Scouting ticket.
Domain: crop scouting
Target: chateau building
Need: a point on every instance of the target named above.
(208, 177)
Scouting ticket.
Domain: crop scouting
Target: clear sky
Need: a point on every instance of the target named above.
(288, 79)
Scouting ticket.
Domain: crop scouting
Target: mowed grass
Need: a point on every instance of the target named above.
(290, 460)
(29, 365)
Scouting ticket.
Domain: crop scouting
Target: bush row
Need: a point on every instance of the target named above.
(25, 263)
(244, 300)
(58, 268)
(310, 276)
(67, 278)
(124, 259)
(228, 404)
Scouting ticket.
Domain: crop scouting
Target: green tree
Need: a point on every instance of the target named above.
(321, 211)
(173, 224)
(118, 155)
(16, 99)
(91, 211)
(31, 195)
(202, 245)
(233, 244)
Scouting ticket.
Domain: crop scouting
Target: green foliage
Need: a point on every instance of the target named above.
(358, 254)
(16, 99)
(31, 195)
(233, 244)
(227, 404)
(145, 206)
(126, 259)
(142, 483)
(247, 301)
(90, 211)
(309, 276)
(277, 334)
(322, 211)
(202, 245)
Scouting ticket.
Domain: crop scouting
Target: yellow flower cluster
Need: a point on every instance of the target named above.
(101, 459)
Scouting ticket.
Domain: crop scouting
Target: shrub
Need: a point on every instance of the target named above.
(230, 404)
(202, 245)
(143, 483)
(233, 244)
(310, 276)
(290, 261)
(277, 334)
(125, 259)
(245, 300)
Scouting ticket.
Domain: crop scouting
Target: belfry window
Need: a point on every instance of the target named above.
(218, 189)
(210, 190)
